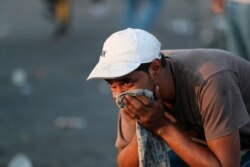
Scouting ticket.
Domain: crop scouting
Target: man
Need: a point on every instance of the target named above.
(202, 99)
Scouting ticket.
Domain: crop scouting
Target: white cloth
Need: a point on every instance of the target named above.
(152, 151)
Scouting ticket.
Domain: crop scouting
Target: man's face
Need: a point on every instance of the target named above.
(134, 80)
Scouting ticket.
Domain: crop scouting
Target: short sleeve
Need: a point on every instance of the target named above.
(125, 132)
(222, 107)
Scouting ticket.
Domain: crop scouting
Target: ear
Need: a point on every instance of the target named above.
(155, 69)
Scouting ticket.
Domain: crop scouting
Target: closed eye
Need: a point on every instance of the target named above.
(127, 83)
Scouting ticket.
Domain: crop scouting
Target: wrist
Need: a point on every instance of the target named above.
(159, 130)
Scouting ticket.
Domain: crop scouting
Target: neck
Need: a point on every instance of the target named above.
(168, 85)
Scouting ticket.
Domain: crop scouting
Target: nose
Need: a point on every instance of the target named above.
(117, 90)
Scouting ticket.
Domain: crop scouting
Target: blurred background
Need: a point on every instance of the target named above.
(49, 115)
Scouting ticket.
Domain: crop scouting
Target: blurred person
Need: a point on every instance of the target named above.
(202, 100)
(237, 14)
(59, 11)
(99, 8)
(140, 13)
(50, 9)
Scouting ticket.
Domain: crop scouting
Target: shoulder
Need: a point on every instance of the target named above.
(203, 51)
(202, 63)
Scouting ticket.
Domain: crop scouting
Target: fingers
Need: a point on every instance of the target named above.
(137, 107)
(133, 106)
(136, 103)
(144, 100)
(126, 111)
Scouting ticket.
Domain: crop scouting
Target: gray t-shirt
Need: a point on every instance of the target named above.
(212, 95)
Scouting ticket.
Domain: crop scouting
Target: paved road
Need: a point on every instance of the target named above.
(55, 86)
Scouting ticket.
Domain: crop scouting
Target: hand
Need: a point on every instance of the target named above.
(150, 114)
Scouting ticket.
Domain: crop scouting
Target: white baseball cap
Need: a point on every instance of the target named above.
(124, 51)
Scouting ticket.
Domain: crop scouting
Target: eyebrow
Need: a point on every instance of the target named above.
(120, 79)
(116, 80)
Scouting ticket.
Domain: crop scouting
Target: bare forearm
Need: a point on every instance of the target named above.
(191, 152)
(129, 155)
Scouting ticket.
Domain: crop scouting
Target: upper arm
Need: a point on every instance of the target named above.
(223, 112)
(221, 105)
(227, 149)
(125, 131)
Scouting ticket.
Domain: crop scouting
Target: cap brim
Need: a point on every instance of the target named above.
(106, 71)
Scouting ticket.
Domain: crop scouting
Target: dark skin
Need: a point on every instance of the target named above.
(224, 151)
